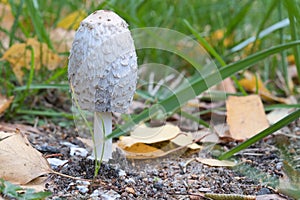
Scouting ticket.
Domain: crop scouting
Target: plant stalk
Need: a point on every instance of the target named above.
(102, 127)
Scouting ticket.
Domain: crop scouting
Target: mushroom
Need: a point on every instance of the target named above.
(102, 73)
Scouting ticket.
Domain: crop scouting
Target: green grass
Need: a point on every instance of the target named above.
(194, 18)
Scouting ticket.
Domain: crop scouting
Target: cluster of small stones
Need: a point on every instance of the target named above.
(103, 64)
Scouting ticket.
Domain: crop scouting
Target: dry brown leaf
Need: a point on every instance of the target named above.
(20, 163)
(186, 139)
(251, 84)
(150, 135)
(72, 21)
(245, 116)
(226, 86)
(19, 56)
(216, 163)
(5, 103)
(278, 114)
(7, 127)
(37, 184)
(137, 145)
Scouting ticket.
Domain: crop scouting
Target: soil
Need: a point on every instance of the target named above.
(173, 177)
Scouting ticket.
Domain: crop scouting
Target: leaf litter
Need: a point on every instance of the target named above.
(159, 178)
(20, 163)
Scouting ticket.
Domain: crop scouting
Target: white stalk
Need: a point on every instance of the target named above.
(102, 127)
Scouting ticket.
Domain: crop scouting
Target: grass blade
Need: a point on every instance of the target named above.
(46, 113)
(278, 125)
(37, 22)
(43, 86)
(199, 85)
(292, 12)
(214, 53)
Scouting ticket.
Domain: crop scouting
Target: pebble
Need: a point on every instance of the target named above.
(122, 172)
(82, 186)
(130, 181)
(279, 166)
(130, 190)
(47, 148)
(55, 162)
(82, 189)
(78, 151)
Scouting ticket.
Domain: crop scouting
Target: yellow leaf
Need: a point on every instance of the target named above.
(5, 103)
(291, 59)
(218, 36)
(249, 83)
(245, 116)
(150, 135)
(138, 144)
(140, 148)
(72, 21)
(19, 56)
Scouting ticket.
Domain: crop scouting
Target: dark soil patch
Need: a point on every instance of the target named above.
(173, 177)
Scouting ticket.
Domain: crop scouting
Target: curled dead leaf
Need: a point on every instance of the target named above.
(20, 162)
(252, 83)
(144, 141)
(216, 163)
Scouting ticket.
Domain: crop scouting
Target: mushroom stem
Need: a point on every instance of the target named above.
(102, 128)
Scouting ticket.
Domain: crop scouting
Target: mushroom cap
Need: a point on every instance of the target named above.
(102, 66)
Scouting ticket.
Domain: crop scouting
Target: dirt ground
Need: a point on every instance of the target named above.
(178, 176)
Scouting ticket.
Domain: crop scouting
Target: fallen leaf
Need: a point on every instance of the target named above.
(19, 56)
(7, 127)
(291, 59)
(218, 35)
(206, 135)
(186, 139)
(216, 163)
(37, 184)
(20, 163)
(5, 103)
(140, 148)
(252, 83)
(245, 116)
(72, 21)
(144, 155)
(278, 114)
(143, 142)
(150, 135)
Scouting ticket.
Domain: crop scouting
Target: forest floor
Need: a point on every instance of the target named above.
(173, 177)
